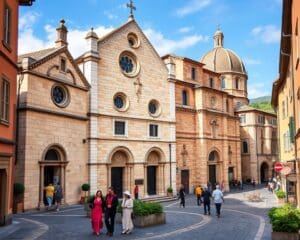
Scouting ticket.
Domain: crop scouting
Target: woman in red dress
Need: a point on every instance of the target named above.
(97, 210)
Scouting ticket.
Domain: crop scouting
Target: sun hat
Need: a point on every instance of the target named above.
(127, 193)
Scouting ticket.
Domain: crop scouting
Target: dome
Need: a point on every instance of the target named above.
(91, 34)
(222, 60)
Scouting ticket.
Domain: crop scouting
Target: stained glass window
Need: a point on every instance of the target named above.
(58, 95)
(126, 64)
(152, 107)
(119, 102)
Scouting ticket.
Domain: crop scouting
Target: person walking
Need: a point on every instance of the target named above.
(58, 195)
(127, 208)
(49, 195)
(198, 192)
(218, 199)
(182, 196)
(136, 192)
(97, 205)
(206, 195)
(111, 203)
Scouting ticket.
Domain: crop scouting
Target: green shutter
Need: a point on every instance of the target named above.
(292, 129)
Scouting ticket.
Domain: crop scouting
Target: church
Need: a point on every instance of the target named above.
(121, 115)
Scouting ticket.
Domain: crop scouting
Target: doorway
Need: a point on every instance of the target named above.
(264, 169)
(185, 180)
(52, 175)
(212, 174)
(151, 180)
(117, 180)
(3, 194)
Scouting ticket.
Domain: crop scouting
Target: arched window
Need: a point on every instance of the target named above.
(237, 83)
(245, 147)
(227, 105)
(223, 83)
(52, 155)
(184, 98)
(213, 156)
(211, 82)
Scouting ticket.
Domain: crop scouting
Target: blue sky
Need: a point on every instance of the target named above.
(183, 27)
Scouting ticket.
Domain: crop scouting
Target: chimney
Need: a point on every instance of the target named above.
(62, 32)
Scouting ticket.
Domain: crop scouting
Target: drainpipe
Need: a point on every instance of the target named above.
(17, 117)
(170, 158)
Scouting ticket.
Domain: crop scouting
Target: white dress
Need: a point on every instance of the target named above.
(127, 206)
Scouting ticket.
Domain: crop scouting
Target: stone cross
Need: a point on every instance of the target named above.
(138, 87)
(132, 7)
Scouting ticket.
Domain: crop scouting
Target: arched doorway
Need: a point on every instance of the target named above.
(118, 171)
(264, 172)
(52, 170)
(213, 159)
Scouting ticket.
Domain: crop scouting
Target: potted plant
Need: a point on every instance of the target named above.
(85, 188)
(170, 191)
(18, 204)
(281, 195)
(285, 222)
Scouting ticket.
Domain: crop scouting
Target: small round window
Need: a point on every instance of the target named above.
(154, 108)
(128, 64)
(60, 96)
(133, 40)
(121, 102)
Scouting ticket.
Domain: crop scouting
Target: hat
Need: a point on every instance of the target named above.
(127, 193)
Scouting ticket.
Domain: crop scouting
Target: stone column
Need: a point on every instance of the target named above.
(41, 192)
(63, 183)
(145, 181)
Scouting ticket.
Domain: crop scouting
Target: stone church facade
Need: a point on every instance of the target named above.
(132, 113)
(207, 130)
(52, 123)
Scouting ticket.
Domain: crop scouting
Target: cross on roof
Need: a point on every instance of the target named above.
(132, 7)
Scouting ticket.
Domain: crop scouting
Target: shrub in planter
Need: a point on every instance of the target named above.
(170, 191)
(280, 193)
(285, 219)
(84, 187)
(87, 204)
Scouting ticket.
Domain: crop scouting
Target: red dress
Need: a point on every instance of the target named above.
(96, 215)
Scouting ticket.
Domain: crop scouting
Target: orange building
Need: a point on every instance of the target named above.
(8, 77)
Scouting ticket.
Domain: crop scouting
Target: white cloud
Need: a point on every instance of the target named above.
(257, 90)
(164, 45)
(266, 34)
(29, 41)
(185, 29)
(251, 61)
(110, 15)
(192, 6)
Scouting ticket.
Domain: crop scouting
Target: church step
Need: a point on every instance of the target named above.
(158, 199)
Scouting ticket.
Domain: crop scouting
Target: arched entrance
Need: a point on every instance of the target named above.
(212, 162)
(264, 172)
(52, 170)
(154, 172)
(118, 171)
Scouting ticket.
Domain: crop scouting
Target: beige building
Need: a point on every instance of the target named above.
(132, 113)
(53, 123)
(258, 143)
(207, 130)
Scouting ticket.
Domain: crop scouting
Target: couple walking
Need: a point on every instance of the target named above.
(218, 198)
(108, 206)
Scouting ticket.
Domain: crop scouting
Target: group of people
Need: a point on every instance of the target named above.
(54, 194)
(108, 207)
(204, 196)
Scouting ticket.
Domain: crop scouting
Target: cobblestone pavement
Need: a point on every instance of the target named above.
(240, 219)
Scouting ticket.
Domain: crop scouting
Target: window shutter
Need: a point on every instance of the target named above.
(292, 129)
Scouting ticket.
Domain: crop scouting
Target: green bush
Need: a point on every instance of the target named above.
(285, 219)
(280, 193)
(85, 187)
(90, 198)
(170, 189)
(18, 188)
(141, 208)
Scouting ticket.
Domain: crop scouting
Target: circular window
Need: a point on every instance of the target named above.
(120, 102)
(133, 40)
(60, 96)
(128, 64)
(154, 108)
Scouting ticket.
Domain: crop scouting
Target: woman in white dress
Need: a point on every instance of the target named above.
(127, 207)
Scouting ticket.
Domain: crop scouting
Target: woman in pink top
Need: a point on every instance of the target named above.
(97, 206)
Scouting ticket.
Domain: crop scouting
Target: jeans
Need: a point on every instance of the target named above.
(218, 208)
(49, 201)
(199, 200)
(206, 206)
(110, 220)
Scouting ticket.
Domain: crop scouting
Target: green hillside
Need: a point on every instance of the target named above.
(262, 103)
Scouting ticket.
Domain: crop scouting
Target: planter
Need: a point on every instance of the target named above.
(83, 199)
(150, 220)
(18, 207)
(281, 200)
(170, 194)
(285, 236)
